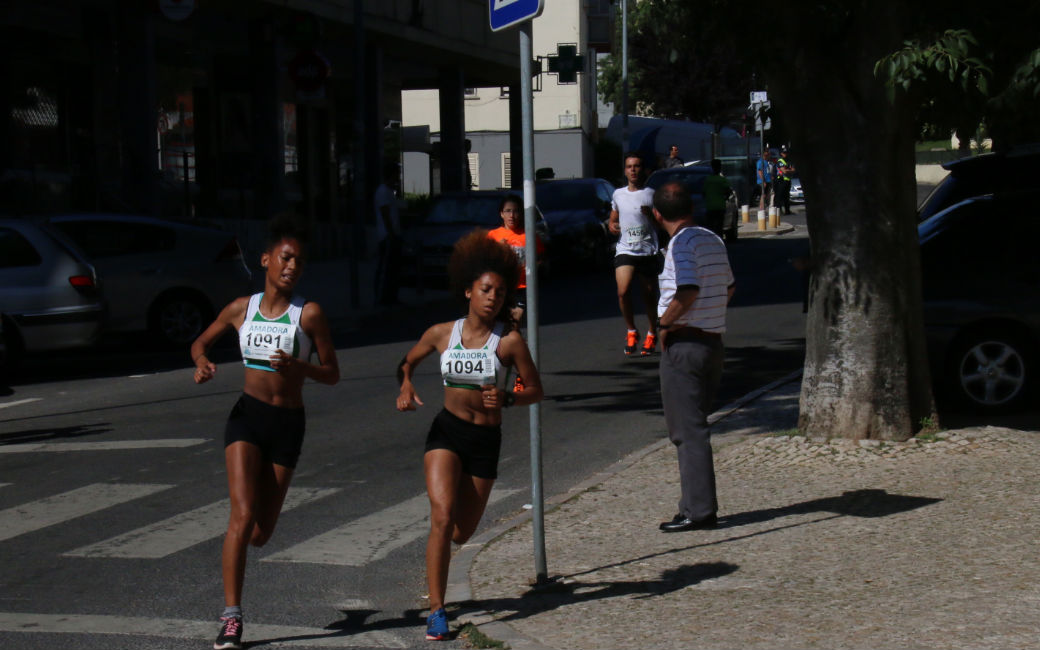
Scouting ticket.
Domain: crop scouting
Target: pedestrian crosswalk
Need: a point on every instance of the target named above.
(69, 505)
(368, 539)
(190, 528)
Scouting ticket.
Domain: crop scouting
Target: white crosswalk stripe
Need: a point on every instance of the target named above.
(369, 538)
(255, 633)
(184, 530)
(109, 445)
(69, 505)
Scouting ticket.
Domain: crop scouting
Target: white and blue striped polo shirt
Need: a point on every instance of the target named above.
(696, 256)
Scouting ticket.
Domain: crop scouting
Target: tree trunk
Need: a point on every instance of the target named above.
(866, 372)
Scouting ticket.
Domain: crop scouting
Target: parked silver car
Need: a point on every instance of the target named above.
(49, 293)
(168, 277)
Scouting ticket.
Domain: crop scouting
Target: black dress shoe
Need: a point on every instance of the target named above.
(680, 524)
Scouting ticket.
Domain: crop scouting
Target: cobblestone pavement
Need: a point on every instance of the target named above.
(932, 543)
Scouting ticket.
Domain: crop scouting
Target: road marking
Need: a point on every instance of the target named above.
(369, 538)
(256, 633)
(26, 447)
(184, 530)
(17, 402)
(69, 505)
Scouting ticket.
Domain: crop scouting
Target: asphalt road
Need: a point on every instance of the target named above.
(110, 526)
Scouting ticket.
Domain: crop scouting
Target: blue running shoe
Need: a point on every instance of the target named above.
(437, 625)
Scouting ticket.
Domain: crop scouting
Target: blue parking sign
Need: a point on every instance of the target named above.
(506, 13)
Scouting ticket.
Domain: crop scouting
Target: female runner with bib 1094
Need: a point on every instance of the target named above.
(277, 331)
(462, 447)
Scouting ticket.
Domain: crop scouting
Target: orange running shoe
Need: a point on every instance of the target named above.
(631, 341)
(518, 385)
(649, 345)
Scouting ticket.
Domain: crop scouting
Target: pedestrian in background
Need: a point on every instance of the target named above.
(696, 286)
(636, 253)
(764, 174)
(784, 171)
(716, 191)
(277, 330)
(511, 233)
(462, 447)
(388, 234)
(673, 159)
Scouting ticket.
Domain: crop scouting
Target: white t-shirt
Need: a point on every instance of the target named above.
(696, 256)
(385, 197)
(638, 233)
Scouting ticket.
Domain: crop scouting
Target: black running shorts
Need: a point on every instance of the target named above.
(648, 266)
(476, 445)
(276, 430)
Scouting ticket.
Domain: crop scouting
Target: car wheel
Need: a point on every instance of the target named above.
(990, 370)
(180, 318)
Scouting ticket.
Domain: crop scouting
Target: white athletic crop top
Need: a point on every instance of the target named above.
(472, 367)
(259, 337)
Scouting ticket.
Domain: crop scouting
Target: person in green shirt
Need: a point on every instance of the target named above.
(716, 191)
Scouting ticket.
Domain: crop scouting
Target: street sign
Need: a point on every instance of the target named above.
(506, 13)
(566, 64)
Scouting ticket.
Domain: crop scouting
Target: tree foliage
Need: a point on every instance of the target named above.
(673, 72)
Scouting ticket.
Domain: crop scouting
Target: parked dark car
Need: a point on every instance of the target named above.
(49, 292)
(989, 173)
(576, 211)
(165, 276)
(427, 246)
(692, 178)
(981, 292)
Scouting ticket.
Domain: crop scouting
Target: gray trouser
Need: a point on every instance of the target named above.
(690, 375)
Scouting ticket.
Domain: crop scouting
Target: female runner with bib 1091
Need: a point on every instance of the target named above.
(462, 447)
(277, 330)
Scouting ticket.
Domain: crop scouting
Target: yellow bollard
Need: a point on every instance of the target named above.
(761, 219)
(745, 214)
(774, 218)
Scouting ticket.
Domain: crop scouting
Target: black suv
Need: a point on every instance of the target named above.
(981, 296)
(990, 173)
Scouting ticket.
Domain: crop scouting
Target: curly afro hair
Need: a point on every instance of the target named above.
(285, 226)
(473, 256)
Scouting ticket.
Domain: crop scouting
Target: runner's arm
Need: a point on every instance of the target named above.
(316, 326)
(407, 399)
(228, 318)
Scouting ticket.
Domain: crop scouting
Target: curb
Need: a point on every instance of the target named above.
(459, 590)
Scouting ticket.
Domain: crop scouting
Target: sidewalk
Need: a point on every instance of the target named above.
(925, 544)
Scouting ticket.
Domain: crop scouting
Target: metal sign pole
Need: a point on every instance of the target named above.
(527, 137)
(624, 79)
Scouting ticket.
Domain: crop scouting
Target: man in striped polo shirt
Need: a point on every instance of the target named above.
(696, 285)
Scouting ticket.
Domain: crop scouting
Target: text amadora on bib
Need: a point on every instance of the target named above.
(472, 367)
(260, 337)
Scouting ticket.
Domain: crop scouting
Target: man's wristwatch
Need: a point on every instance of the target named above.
(661, 327)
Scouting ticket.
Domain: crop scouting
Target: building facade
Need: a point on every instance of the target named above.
(230, 111)
(565, 39)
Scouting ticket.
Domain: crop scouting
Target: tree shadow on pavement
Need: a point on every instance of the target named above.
(854, 503)
(558, 594)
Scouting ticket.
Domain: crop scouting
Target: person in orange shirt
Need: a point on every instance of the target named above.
(512, 234)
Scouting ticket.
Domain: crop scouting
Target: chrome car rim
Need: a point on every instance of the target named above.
(181, 321)
(992, 373)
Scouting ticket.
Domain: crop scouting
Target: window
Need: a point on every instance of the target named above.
(15, 250)
(470, 93)
(507, 171)
(473, 160)
(103, 239)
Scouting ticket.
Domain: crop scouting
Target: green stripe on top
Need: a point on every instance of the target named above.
(284, 318)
